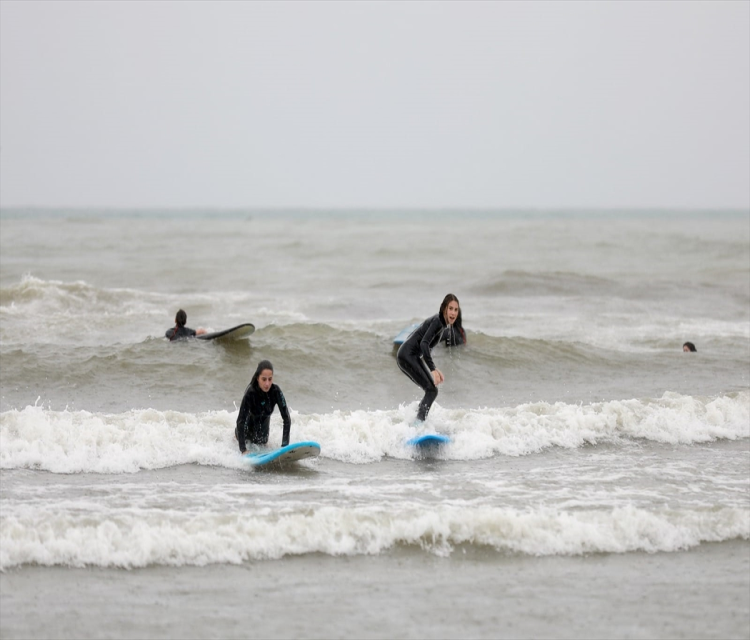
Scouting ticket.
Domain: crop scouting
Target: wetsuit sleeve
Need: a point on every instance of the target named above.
(284, 410)
(428, 339)
(183, 332)
(243, 416)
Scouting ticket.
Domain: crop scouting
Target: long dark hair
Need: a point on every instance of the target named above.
(458, 324)
(179, 321)
(444, 305)
(262, 366)
(181, 318)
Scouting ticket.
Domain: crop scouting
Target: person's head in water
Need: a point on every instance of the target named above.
(688, 347)
(181, 318)
(450, 310)
(263, 378)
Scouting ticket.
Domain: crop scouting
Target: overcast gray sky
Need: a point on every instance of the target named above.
(375, 104)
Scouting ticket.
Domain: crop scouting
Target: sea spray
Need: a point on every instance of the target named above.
(82, 441)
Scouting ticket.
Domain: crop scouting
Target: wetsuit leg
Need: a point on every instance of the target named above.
(419, 373)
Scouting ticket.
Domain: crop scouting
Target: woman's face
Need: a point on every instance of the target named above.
(451, 312)
(265, 380)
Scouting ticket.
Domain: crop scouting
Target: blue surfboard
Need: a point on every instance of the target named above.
(290, 453)
(405, 333)
(429, 441)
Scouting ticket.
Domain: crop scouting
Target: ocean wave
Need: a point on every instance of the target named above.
(527, 283)
(74, 296)
(46, 299)
(36, 311)
(86, 442)
(82, 535)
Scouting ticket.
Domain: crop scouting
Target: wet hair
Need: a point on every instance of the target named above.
(262, 366)
(448, 299)
(181, 318)
(690, 346)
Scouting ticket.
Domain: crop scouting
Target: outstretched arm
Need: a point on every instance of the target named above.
(433, 329)
(284, 410)
(242, 418)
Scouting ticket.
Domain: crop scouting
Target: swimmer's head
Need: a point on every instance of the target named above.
(263, 377)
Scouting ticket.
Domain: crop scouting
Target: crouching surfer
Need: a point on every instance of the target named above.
(254, 418)
(414, 357)
(180, 330)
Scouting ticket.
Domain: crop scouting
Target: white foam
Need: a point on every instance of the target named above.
(80, 441)
(137, 537)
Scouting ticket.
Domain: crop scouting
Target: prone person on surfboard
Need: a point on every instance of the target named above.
(414, 356)
(254, 418)
(180, 330)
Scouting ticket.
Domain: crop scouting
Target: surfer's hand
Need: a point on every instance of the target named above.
(437, 377)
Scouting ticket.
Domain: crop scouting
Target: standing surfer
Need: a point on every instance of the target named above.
(254, 418)
(414, 357)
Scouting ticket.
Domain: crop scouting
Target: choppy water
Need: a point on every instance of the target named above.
(578, 424)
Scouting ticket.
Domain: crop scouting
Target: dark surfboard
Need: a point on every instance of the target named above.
(235, 333)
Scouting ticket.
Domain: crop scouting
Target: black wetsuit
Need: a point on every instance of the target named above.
(415, 360)
(453, 336)
(254, 417)
(175, 333)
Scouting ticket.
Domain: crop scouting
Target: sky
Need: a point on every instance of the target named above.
(543, 105)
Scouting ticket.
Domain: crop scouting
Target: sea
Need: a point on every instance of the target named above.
(597, 483)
